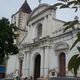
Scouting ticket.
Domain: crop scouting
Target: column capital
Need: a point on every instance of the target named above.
(20, 56)
(46, 46)
(27, 51)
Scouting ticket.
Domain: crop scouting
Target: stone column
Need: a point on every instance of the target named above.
(24, 66)
(46, 64)
(21, 64)
(31, 65)
(27, 63)
(42, 63)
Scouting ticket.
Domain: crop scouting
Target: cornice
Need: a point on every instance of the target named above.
(34, 44)
(47, 40)
(65, 34)
(36, 21)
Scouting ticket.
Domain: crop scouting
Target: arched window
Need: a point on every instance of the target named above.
(39, 30)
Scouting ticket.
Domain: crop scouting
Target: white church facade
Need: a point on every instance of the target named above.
(44, 49)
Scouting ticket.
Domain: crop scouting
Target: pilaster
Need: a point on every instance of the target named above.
(27, 63)
(24, 66)
(46, 64)
(42, 63)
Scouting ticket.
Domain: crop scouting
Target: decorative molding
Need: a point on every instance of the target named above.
(61, 47)
(45, 41)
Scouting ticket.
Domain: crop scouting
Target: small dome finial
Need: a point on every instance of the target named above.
(76, 18)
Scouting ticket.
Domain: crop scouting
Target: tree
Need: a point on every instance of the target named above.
(7, 37)
(74, 62)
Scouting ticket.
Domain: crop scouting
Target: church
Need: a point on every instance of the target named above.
(44, 48)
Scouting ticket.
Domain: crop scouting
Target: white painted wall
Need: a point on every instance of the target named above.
(11, 65)
(50, 27)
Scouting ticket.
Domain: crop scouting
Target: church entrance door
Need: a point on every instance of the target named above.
(37, 67)
(62, 64)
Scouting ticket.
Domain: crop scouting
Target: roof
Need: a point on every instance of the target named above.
(25, 8)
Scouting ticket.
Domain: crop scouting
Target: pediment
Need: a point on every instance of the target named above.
(60, 46)
(39, 9)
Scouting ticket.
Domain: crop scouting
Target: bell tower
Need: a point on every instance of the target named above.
(20, 19)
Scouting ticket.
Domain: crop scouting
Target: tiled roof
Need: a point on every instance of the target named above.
(25, 8)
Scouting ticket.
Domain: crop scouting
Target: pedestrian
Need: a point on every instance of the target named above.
(25, 78)
(30, 77)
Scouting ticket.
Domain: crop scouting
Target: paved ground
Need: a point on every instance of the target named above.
(64, 78)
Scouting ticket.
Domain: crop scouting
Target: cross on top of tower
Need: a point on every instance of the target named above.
(25, 0)
(39, 2)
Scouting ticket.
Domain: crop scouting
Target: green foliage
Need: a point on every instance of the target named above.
(74, 64)
(72, 61)
(78, 48)
(77, 40)
(7, 36)
(68, 4)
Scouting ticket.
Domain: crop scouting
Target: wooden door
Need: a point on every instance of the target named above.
(62, 64)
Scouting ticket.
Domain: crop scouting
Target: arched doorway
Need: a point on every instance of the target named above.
(62, 64)
(37, 67)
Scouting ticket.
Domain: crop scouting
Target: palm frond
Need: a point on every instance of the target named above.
(70, 24)
(78, 48)
(64, 6)
(72, 61)
(57, 4)
(72, 2)
(74, 43)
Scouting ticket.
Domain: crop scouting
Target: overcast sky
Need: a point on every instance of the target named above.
(9, 7)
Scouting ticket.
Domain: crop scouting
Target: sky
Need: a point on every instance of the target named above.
(9, 7)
